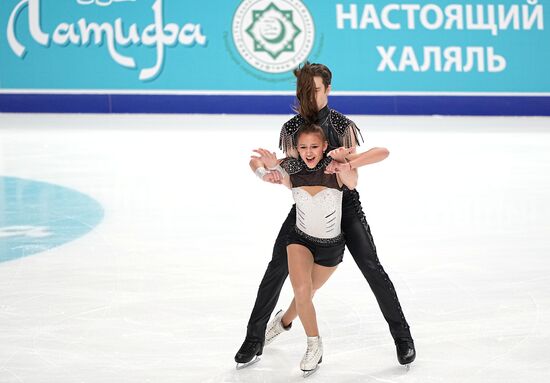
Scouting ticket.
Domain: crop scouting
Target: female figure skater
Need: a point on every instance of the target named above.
(316, 244)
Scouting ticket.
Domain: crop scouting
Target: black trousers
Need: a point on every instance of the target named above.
(361, 246)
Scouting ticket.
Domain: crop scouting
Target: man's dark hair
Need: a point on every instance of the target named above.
(305, 88)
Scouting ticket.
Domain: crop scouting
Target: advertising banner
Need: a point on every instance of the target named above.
(406, 51)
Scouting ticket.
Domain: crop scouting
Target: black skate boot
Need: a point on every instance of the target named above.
(406, 354)
(249, 353)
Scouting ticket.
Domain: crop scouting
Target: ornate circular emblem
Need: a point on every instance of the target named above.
(273, 36)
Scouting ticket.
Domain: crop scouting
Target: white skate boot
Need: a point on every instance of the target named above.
(313, 356)
(275, 327)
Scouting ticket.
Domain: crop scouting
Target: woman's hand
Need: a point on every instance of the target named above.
(268, 158)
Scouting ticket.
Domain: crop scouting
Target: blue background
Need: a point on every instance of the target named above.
(217, 66)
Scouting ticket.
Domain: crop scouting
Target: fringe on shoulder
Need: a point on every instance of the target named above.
(347, 132)
(346, 129)
(351, 135)
(287, 138)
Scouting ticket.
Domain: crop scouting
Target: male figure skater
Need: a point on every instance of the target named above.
(312, 90)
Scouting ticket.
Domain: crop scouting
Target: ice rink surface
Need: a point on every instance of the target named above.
(162, 288)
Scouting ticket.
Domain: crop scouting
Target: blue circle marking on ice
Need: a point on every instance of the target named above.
(37, 216)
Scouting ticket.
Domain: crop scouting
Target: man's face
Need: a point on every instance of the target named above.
(321, 93)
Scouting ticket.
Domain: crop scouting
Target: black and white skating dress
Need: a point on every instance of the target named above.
(319, 216)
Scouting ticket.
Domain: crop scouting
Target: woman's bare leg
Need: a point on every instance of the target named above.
(306, 278)
(320, 275)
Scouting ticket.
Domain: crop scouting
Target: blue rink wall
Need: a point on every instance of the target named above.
(231, 104)
(483, 57)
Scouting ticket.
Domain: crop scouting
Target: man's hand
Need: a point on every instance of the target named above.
(337, 167)
(341, 153)
(273, 176)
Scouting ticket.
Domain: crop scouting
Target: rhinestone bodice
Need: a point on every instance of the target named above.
(318, 215)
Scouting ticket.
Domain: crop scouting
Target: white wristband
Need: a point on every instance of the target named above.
(260, 172)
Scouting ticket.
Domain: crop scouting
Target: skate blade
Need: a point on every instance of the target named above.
(308, 373)
(240, 366)
(408, 367)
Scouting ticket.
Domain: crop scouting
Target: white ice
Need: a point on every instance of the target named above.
(161, 290)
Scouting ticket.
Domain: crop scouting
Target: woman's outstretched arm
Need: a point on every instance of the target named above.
(346, 159)
(371, 156)
(267, 167)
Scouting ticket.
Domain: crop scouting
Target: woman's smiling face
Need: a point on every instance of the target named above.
(310, 148)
